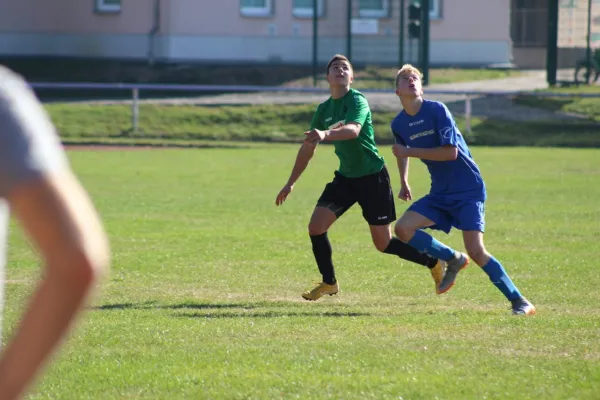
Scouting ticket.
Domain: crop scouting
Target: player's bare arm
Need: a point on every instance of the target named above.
(442, 153)
(306, 152)
(56, 213)
(405, 193)
(346, 132)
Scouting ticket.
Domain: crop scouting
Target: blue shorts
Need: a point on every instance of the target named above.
(465, 215)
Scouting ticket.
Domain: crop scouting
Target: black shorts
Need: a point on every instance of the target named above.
(372, 192)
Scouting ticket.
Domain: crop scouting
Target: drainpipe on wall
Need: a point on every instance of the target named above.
(153, 31)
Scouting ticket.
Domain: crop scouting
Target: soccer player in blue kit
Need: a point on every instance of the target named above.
(426, 130)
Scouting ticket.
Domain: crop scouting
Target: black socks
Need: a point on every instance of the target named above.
(322, 251)
(409, 253)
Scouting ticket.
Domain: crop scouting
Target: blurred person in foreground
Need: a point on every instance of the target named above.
(38, 186)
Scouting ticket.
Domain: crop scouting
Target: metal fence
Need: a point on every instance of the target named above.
(529, 27)
(577, 35)
(135, 89)
(370, 32)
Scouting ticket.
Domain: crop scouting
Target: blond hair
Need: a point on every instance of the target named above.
(339, 57)
(408, 69)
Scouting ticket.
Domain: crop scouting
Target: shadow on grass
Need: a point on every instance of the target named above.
(148, 305)
(547, 103)
(574, 134)
(262, 309)
(272, 314)
(141, 144)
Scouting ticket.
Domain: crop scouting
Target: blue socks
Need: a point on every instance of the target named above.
(498, 276)
(425, 243)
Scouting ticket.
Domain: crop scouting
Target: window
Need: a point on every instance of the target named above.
(304, 8)
(374, 8)
(568, 3)
(435, 10)
(108, 6)
(529, 25)
(256, 8)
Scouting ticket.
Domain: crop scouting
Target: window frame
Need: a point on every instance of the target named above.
(383, 13)
(266, 11)
(303, 12)
(100, 6)
(436, 12)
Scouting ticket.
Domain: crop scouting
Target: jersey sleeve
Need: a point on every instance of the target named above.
(446, 126)
(395, 132)
(29, 145)
(316, 123)
(358, 109)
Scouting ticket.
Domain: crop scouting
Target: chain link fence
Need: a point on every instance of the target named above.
(578, 39)
(377, 33)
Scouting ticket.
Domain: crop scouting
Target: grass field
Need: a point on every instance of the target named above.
(188, 124)
(588, 107)
(203, 297)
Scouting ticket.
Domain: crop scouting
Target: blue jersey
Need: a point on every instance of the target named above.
(433, 126)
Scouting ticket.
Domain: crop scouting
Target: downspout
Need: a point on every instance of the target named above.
(155, 29)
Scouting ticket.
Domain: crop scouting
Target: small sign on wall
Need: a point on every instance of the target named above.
(364, 26)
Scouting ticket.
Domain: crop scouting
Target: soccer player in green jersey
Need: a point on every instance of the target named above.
(345, 120)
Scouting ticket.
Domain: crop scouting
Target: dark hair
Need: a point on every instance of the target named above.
(338, 57)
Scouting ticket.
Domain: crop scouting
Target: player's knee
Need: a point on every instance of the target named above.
(315, 229)
(381, 244)
(478, 254)
(404, 232)
(80, 269)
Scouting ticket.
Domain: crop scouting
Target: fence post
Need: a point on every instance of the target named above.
(588, 47)
(424, 41)
(135, 109)
(349, 30)
(552, 44)
(315, 41)
(401, 35)
(468, 113)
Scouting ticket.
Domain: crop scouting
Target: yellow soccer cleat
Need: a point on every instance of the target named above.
(458, 263)
(437, 273)
(321, 290)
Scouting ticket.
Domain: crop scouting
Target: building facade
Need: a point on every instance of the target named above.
(463, 32)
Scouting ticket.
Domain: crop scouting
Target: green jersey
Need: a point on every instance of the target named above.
(358, 157)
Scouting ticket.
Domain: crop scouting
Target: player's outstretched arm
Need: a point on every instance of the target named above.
(346, 132)
(58, 216)
(306, 152)
(442, 153)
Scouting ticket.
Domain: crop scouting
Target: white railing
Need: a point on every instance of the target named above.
(468, 95)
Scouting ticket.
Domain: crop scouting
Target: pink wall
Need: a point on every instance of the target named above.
(461, 19)
(473, 20)
(73, 16)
